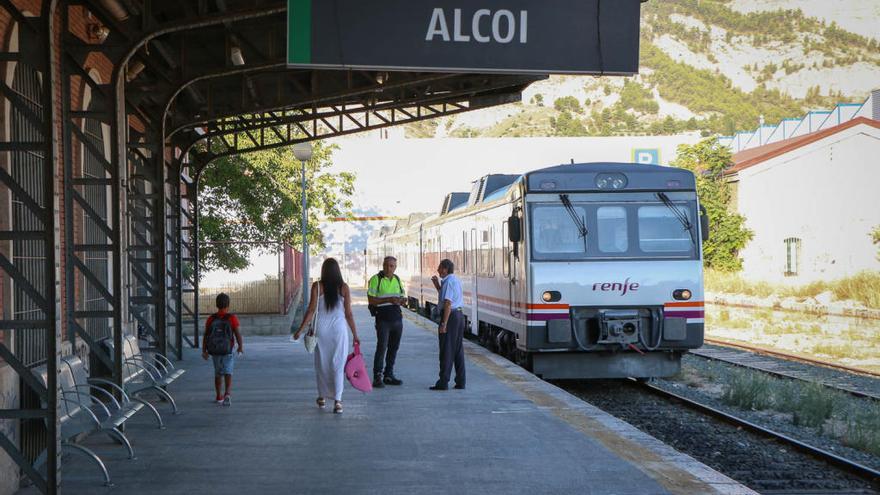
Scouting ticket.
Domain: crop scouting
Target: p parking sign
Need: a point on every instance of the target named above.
(646, 156)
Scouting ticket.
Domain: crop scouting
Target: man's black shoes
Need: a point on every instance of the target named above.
(439, 387)
(459, 387)
(377, 382)
(392, 380)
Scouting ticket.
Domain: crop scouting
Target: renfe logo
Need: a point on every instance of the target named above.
(623, 288)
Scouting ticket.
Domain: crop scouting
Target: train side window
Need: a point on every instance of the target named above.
(485, 252)
(464, 252)
(492, 251)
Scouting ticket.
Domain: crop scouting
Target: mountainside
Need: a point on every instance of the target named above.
(709, 66)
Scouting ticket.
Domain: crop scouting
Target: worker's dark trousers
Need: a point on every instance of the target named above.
(452, 350)
(388, 334)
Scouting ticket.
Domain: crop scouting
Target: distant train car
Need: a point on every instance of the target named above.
(587, 270)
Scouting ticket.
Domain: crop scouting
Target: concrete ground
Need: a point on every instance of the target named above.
(509, 432)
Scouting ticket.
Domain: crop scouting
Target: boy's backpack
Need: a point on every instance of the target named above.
(220, 337)
(374, 310)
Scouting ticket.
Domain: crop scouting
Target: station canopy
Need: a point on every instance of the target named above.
(214, 69)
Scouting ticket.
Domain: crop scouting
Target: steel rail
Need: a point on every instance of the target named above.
(831, 458)
(792, 357)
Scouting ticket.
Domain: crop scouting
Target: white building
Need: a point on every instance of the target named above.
(812, 202)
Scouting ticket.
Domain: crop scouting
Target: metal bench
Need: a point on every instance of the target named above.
(80, 414)
(140, 375)
(162, 364)
(126, 407)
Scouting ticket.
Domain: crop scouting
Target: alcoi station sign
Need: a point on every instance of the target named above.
(508, 36)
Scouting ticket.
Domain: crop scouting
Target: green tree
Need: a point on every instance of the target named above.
(256, 197)
(635, 96)
(708, 160)
(568, 125)
(567, 104)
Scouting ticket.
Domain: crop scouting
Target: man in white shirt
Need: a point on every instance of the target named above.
(451, 328)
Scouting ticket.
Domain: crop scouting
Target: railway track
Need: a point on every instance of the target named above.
(863, 384)
(824, 455)
(792, 357)
(762, 459)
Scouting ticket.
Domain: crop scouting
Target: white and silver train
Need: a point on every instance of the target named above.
(589, 270)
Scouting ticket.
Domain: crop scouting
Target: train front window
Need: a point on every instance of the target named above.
(661, 229)
(555, 233)
(611, 232)
(641, 229)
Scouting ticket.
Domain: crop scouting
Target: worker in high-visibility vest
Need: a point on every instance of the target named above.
(386, 295)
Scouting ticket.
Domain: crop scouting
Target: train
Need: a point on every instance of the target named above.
(582, 270)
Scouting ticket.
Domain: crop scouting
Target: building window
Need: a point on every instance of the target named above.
(792, 256)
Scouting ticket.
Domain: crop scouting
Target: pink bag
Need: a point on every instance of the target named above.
(356, 371)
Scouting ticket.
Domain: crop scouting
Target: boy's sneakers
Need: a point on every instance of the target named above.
(227, 401)
(219, 400)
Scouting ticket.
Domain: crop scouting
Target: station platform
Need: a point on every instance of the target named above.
(509, 432)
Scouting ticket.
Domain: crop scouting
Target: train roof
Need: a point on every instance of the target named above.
(604, 176)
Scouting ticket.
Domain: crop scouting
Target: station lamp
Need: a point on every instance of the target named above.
(303, 153)
(236, 56)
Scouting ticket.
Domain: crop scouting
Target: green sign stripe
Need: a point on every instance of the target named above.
(299, 31)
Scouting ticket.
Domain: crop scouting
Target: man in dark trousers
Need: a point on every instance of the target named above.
(451, 328)
(385, 295)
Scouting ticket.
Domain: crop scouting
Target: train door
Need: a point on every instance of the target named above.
(509, 270)
(474, 314)
(511, 263)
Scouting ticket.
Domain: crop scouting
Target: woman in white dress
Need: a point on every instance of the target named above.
(331, 299)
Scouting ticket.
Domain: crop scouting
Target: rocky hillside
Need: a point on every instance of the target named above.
(709, 66)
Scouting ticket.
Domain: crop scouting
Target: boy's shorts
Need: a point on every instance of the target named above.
(223, 365)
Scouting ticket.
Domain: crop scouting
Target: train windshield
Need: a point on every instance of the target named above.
(625, 230)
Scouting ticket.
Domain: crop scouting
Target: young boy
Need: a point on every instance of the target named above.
(221, 333)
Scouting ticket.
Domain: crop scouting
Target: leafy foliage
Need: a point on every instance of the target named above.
(568, 125)
(567, 104)
(875, 237)
(708, 160)
(256, 197)
(636, 97)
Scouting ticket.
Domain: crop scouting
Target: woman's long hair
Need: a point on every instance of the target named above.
(331, 280)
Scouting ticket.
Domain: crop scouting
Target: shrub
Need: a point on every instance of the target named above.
(863, 430)
(815, 405)
(748, 390)
(567, 104)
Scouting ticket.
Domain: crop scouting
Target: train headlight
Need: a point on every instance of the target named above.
(611, 181)
(682, 294)
(551, 296)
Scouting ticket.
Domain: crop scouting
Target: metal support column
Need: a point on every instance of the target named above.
(28, 173)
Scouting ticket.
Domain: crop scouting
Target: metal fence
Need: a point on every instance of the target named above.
(272, 295)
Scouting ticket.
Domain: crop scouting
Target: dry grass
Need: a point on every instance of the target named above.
(863, 287)
(748, 390)
(863, 430)
(810, 404)
(845, 350)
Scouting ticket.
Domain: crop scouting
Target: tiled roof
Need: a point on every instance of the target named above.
(753, 156)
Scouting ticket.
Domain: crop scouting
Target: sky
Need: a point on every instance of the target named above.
(398, 176)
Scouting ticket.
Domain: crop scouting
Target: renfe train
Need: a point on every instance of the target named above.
(589, 270)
